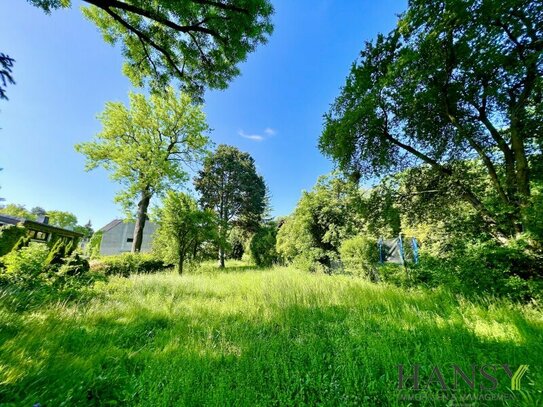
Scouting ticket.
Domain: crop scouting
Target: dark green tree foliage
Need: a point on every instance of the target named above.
(263, 244)
(456, 80)
(10, 236)
(58, 251)
(199, 42)
(182, 228)
(230, 186)
(6, 76)
(38, 211)
(236, 243)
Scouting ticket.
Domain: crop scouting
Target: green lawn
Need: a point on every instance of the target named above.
(252, 337)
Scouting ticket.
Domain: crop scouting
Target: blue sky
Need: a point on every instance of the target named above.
(65, 73)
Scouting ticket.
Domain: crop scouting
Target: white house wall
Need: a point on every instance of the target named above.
(118, 239)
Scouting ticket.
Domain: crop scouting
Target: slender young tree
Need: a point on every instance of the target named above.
(148, 148)
(229, 184)
(199, 42)
(182, 229)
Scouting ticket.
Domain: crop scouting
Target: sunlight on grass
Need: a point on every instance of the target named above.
(250, 337)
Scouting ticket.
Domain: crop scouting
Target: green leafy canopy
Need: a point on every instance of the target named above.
(149, 146)
(199, 42)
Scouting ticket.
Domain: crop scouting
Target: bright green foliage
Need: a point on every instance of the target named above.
(206, 339)
(93, 248)
(359, 256)
(263, 245)
(19, 211)
(9, 237)
(455, 80)
(182, 229)
(147, 148)
(198, 42)
(126, 264)
(66, 220)
(229, 185)
(27, 262)
(534, 214)
(312, 235)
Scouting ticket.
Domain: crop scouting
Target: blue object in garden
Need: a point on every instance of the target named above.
(415, 245)
(400, 244)
(380, 243)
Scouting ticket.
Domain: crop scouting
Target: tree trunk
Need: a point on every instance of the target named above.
(143, 205)
(221, 256)
(180, 263)
(222, 243)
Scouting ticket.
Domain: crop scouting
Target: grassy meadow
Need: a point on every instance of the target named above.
(248, 337)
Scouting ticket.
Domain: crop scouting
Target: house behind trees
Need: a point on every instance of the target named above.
(118, 236)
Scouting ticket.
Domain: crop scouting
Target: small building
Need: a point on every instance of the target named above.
(118, 236)
(40, 230)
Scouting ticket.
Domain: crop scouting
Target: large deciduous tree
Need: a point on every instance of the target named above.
(457, 80)
(199, 42)
(182, 229)
(148, 148)
(229, 184)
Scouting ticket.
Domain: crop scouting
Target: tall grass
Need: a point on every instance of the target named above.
(256, 337)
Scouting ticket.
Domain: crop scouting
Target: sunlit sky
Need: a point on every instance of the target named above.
(65, 73)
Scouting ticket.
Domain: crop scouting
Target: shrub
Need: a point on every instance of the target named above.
(75, 265)
(127, 263)
(10, 235)
(262, 246)
(57, 252)
(359, 255)
(27, 262)
(478, 269)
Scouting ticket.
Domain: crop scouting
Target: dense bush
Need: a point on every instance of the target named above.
(27, 262)
(127, 263)
(476, 269)
(263, 244)
(10, 235)
(30, 282)
(359, 256)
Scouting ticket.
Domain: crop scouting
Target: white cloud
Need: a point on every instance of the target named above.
(270, 132)
(254, 137)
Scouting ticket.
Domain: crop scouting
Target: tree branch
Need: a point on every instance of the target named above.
(108, 4)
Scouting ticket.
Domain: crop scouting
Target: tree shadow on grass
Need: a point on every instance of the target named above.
(289, 354)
